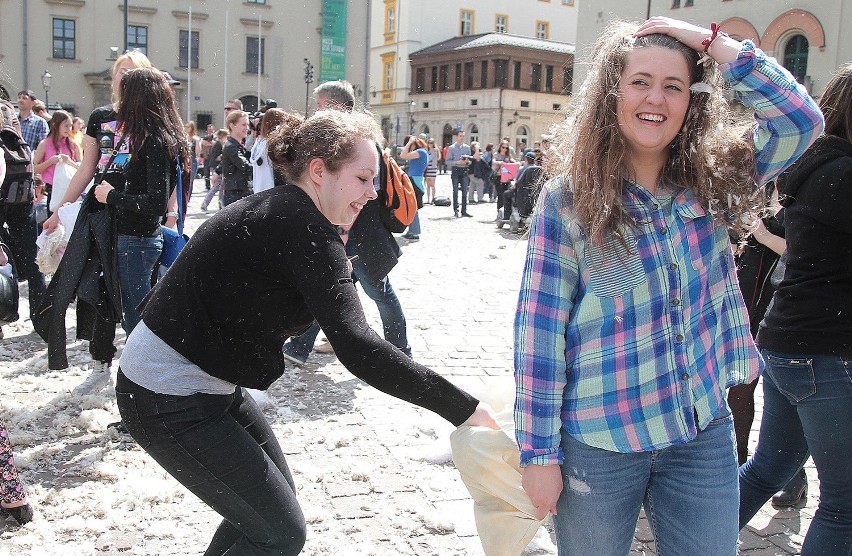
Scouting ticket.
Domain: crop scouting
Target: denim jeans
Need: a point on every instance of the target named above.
(461, 180)
(390, 311)
(222, 449)
(21, 237)
(137, 257)
(414, 227)
(301, 346)
(807, 410)
(689, 492)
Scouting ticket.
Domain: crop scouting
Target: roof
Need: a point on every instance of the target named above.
(495, 39)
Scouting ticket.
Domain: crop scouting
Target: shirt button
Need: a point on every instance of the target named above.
(679, 338)
(664, 231)
(673, 266)
(675, 302)
(685, 376)
(656, 206)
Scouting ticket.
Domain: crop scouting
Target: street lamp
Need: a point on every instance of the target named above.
(309, 78)
(411, 107)
(514, 119)
(45, 82)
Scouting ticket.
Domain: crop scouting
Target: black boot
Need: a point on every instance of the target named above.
(22, 514)
(793, 493)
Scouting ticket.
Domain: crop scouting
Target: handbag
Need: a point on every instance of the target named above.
(8, 290)
(174, 240)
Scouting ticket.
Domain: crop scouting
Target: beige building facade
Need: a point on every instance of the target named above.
(806, 36)
(403, 30)
(227, 49)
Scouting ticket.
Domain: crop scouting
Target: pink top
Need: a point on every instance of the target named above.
(50, 150)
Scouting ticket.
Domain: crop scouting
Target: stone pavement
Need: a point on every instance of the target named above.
(371, 471)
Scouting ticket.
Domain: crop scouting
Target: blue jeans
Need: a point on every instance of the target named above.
(689, 492)
(390, 311)
(302, 346)
(461, 180)
(807, 410)
(137, 257)
(414, 227)
(222, 449)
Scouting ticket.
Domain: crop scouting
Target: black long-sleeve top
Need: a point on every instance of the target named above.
(236, 167)
(258, 272)
(142, 202)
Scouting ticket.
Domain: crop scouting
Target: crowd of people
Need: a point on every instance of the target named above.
(672, 262)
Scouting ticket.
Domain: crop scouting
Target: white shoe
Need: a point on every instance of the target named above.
(96, 381)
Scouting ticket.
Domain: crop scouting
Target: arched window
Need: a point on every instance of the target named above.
(522, 136)
(447, 136)
(425, 129)
(473, 134)
(796, 57)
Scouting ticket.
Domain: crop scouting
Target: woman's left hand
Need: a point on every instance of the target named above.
(102, 190)
(483, 416)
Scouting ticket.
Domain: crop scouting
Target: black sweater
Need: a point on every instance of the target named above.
(258, 272)
(811, 313)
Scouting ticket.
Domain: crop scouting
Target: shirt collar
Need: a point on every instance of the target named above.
(638, 202)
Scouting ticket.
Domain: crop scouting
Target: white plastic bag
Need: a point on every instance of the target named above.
(61, 178)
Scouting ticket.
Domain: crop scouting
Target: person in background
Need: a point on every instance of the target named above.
(476, 187)
(806, 336)
(40, 110)
(431, 170)
(502, 155)
(459, 159)
(194, 148)
(33, 127)
(206, 146)
(216, 171)
(55, 148)
(181, 389)
(236, 168)
(263, 174)
(630, 325)
(77, 132)
(418, 160)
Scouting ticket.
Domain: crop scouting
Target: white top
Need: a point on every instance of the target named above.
(263, 177)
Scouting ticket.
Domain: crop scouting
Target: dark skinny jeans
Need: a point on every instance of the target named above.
(222, 449)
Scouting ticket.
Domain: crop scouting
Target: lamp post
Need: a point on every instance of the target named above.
(411, 106)
(309, 78)
(45, 82)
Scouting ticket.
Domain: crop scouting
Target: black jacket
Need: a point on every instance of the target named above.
(88, 273)
(811, 312)
(236, 168)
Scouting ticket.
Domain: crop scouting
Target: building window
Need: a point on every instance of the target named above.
(466, 22)
(567, 80)
(444, 78)
(548, 79)
(501, 73)
(457, 80)
(474, 101)
(542, 30)
(483, 75)
(468, 75)
(557, 106)
(535, 78)
(501, 23)
(255, 1)
(183, 49)
(255, 54)
(433, 83)
(796, 57)
(473, 135)
(567, 2)
(64, 34)
(388, 76)
(687, 3)
(675, 4)
(420, 81)
(525, 104)
(137, 38)
(516, 76)
(390, 20)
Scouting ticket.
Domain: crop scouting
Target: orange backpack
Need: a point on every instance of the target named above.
(396, 195)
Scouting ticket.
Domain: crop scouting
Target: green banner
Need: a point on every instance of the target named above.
(333, 63)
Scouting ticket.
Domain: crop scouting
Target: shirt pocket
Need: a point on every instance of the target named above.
(615, 268)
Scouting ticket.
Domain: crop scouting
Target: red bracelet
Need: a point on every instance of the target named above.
(715, 31)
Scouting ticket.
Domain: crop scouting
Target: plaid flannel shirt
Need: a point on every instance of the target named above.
(633, 351)
(33, 129)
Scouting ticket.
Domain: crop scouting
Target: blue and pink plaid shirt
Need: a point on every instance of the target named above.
(632, 350)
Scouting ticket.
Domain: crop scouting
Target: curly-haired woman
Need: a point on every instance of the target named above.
(630, 324)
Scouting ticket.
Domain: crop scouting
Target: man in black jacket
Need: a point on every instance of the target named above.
(375, 248)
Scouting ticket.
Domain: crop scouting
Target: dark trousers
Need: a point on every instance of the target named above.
(21, 236)
(234, 195)
(222, 449)
(461, 180)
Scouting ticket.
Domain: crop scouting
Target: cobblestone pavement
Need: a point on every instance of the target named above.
(364, 462)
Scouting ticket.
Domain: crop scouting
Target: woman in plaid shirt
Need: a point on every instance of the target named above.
(630, 322)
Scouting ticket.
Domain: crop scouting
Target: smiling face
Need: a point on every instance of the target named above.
(342, 194)
(653, 98)
(65, 129)
(239, 129)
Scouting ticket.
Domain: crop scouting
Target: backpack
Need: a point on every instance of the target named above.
(18, 186)
(397, 199)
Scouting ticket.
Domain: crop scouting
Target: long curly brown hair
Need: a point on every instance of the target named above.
(713, 154)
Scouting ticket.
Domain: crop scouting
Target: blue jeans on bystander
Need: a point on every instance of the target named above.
(137, 257)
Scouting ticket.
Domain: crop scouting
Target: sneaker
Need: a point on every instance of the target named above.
(467, 215)
(96, 381)
(411, 237)
(324, 347)
(288, 354)
(204, 208)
